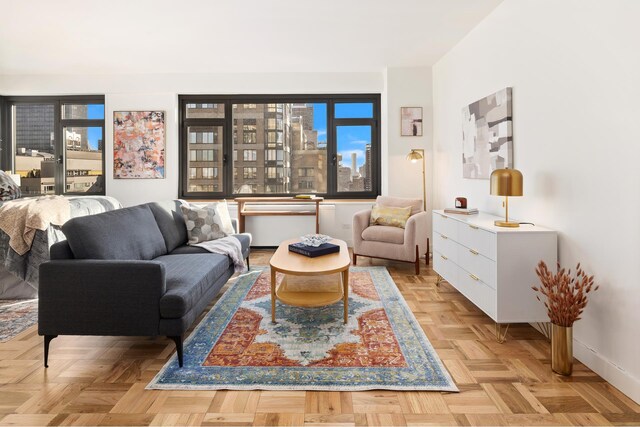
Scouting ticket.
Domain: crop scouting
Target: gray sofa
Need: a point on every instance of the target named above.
(129, 272)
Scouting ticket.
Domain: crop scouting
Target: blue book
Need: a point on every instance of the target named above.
(312, 251)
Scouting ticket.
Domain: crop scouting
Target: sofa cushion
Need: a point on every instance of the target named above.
(188, 277)
(384, 233)
(399, 202)
(171, 222)
(129, 233)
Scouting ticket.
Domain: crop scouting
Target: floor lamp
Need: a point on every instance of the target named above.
(414, 155)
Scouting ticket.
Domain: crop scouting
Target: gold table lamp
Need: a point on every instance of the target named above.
(506, 182)
(414, 155)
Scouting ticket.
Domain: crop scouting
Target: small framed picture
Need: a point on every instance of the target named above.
(411, 121)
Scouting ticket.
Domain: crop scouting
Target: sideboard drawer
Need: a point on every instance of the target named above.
(482, 295)
(477, 239)
(446, 226)
(445, 246)
(477, 264)
(445, 267)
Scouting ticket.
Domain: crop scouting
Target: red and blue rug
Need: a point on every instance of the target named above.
(237, 347)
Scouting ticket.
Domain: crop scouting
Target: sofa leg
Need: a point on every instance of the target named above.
(417, 260)
(47, 341)
(248, 265)
(355, 258)
(178, 341)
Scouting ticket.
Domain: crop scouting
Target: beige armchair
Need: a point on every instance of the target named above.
(380, 241)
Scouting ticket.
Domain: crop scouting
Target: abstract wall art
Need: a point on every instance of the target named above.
(487, 135)
(411, 121)
(138, 144)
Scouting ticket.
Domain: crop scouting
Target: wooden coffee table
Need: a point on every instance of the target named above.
(310, 282)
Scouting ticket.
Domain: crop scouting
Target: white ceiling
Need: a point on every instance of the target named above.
(199, 36)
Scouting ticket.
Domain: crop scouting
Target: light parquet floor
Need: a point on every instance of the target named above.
(101, 380)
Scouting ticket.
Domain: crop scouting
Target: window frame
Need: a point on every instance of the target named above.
(60, 176)
(228, 135)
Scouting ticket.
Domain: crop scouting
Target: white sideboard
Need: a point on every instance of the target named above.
(494, 267)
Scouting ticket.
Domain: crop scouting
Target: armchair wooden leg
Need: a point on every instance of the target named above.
(355, 258)
(427, 254)
(417, 260)
(178, 341)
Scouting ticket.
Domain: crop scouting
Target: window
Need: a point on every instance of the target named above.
(279, 145)
(250, 173)
(250, 155)
(55, 144)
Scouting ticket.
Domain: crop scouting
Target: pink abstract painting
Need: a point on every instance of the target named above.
(138, 144)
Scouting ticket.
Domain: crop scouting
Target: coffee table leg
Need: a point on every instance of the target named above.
(273, 295)
(345, 284)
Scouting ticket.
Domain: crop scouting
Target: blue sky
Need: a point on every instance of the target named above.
(351, 139)
(94, 111)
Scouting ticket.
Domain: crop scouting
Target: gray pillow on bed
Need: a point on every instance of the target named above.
(9, 190)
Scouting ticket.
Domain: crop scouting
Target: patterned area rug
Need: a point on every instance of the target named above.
(16, 316)
(237, 347)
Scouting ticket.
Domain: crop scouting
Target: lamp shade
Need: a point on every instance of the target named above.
(414, 155)
(506, 182)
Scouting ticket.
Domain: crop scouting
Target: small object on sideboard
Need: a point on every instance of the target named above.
(462, 211)
(461, 202)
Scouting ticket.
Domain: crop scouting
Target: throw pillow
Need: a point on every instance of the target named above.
(387, 215)
(203, 224)
(9, 190)
(222, 209)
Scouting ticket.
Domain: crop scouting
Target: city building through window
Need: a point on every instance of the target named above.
(56, 144)
(280, 145)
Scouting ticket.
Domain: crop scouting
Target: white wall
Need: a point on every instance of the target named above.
(574, 68)
(409, 87)
(135, 191)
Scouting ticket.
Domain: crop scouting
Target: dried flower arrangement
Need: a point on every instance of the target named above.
(566, 294)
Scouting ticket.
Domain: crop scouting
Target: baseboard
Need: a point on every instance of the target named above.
(615, 375)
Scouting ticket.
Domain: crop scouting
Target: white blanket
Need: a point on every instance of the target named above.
(229, 246)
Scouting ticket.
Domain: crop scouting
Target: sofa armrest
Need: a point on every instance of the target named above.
(100, 297)
(416, 231)
(234, 222)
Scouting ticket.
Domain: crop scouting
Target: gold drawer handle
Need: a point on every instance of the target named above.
(475, 227)
(473, 252)
(444, 257)
(474, 277)
(444, 237)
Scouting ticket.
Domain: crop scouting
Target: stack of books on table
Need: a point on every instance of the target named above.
(314, 251)
(461, 211)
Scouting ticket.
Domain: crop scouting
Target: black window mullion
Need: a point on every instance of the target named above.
(332, 152)
(228, 166)
(5, 151)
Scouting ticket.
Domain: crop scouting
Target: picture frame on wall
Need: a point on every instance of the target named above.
(139, 144)
(411, 121)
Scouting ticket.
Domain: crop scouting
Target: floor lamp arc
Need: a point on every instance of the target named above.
(414, 156)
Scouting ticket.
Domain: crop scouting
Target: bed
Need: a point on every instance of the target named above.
(19, 273)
